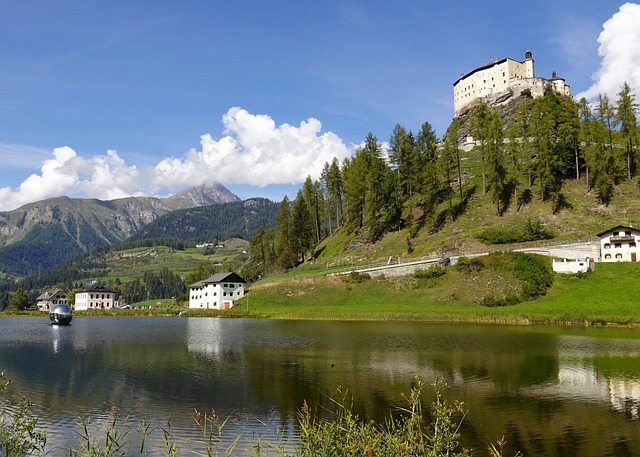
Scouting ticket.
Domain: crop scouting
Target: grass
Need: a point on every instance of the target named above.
(608, 295)
(332, 431)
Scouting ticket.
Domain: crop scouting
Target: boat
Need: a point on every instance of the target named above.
(61, 315)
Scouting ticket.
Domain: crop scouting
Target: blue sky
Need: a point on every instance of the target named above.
(112, 98)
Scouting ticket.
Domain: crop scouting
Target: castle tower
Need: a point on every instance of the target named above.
(528, 62)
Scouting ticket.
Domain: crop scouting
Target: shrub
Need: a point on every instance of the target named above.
(535, 272)
(356, 277)
(18, 434)
(431, 273)
(492, 302)
(532, 231)
(466, 265)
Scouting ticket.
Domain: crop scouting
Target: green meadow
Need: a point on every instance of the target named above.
(609, 295)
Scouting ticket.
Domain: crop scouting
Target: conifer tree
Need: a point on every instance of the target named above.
(429, 181)
(301, 228)
(626, 119)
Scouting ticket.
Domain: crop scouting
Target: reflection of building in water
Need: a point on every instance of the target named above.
(214, 337)
(581, 382)
(625, 396)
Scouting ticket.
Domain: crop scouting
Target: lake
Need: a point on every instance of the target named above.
(548, 390)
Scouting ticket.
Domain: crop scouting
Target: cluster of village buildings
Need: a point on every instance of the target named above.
(220, 291)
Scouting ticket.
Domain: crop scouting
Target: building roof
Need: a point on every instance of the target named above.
(228, 276)
(94, 287)
(47, 294)
(483, 67)
(618, 227)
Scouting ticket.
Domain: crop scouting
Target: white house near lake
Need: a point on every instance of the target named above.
(51, 297)
(619, 244)
(219, 291)
(95, 296)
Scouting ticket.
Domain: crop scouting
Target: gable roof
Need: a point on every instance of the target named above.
(93, 287)
(49, 293)
(218, 278)
(618, 227)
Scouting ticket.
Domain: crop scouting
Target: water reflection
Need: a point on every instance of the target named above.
(550, 391)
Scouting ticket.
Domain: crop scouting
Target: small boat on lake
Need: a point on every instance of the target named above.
(61, 315)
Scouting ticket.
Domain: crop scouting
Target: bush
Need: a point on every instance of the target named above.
(430, 273)
(535, 272)
(532, 231)
(466, 265)
(492, 302)
(356, 277)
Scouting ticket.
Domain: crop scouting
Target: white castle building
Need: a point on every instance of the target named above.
(501, 78)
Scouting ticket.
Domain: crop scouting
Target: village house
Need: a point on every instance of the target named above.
(51, 297)
(619, 244)
(219, 291)
(95, 296)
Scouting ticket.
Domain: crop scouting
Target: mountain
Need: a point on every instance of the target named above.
(210, 223)
(206, 194)
(39, 235)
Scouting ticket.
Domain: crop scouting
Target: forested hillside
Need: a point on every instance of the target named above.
(523, 159)
(40, 235)
(214, 222)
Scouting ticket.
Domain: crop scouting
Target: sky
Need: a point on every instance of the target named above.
(108, 99)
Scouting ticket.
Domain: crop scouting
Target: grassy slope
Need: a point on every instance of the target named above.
(582, 220)
(133, 263)
(610, 294)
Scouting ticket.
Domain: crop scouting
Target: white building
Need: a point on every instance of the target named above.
(219, 291)
(571, 266)
(95, 297)
(51, 297)
(498, 79)
(619, 244)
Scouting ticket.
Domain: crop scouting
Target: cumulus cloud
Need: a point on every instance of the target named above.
(619, 52)
(254, 151)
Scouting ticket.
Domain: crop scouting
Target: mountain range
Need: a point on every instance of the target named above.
(37, 236)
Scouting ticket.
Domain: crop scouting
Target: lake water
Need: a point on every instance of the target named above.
(547, 390)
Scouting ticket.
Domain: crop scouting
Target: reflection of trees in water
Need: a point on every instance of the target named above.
(544, 393)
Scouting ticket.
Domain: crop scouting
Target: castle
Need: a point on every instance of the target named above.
(496, 81)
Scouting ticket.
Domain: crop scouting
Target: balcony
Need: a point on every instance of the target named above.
(622, 238)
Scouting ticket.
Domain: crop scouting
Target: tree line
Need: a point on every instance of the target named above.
(524, 151)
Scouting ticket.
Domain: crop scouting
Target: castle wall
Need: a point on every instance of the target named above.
(498, 78)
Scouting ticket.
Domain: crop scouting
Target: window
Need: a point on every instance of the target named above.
(607, 245)
(632, 244)
(607, 256)
(617, 245)
(618, 256)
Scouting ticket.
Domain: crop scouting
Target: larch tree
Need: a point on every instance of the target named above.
(429, 184)
(626, 119)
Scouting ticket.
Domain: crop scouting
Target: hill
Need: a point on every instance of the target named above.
(210, 223)
(38, 236)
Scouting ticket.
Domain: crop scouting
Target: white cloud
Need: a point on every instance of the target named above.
(254, 151)
(619, 52)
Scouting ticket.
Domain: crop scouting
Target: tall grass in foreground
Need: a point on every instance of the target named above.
(333, 431)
